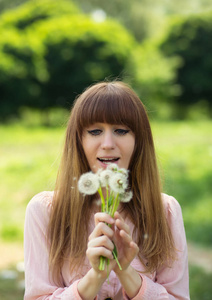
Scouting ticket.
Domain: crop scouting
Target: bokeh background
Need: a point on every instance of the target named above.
(51, 50)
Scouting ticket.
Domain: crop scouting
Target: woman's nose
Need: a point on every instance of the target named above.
(108, 141)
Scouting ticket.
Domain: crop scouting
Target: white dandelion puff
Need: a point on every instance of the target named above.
(123, 171)
(88, 183)
(98, 202)
(126, 197)
(118, 183)
(104, 177)
(113, 167)
(146, 236)
(98, 172)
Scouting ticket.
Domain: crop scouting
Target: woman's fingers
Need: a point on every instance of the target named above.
(101, 241)
(101, 229)
(101, 246)
(101, 226)
(129, 248)
(103, 217)
(120, 223)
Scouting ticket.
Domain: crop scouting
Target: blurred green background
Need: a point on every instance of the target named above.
(51, 50)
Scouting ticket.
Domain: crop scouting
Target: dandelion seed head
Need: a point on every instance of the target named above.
(99, 171)
(113, 167)
(146, 236)
(104, 177)
(98, 202)
(118, 183)
(123, 171)
(88, 183)
(126, 197)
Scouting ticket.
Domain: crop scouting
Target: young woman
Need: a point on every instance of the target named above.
(65, 233)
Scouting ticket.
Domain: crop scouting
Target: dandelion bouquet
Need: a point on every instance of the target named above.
(115, 182)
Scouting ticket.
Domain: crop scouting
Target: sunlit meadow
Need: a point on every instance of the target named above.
(30, 155)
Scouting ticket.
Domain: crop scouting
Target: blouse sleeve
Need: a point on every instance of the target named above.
(38, 285)
(171, 282)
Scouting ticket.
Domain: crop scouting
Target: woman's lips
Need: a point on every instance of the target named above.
(108, 160)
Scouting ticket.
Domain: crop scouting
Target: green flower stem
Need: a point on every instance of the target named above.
(107, 199)
(115, 206)
(109, 208)
(116, 258)
(102, 198)
(102, 263)
(103, 260)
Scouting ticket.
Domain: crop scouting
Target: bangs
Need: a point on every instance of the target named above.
(111, 104)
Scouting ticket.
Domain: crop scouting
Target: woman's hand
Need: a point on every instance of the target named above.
(127, 249)
(100, 243)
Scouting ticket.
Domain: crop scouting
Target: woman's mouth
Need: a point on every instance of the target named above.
(108, 160)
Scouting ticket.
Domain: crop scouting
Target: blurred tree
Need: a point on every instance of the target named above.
(34, 11)
(49, 52)
(153, 78)
(8, 4)
(190, 39)
(144, 18)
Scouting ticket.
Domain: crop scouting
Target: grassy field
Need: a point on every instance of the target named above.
(30, 155)
(185, 157)
(29, 159)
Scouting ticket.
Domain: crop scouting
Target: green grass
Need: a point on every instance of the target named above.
(12, 288)
(30, 155)
(185, 155)
(29, 158)
(200, 284)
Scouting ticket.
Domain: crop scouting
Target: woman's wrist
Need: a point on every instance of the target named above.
(130, 280)
(89, 286)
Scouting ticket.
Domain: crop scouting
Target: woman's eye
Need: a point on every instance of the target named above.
(121, 131)
(95, 132)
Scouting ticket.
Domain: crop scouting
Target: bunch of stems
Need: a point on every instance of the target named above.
(110, 206)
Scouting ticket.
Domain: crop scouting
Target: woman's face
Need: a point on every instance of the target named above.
(105, 143)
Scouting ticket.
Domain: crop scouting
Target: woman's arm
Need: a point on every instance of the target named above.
(171, 282)
(38, 284)
(127, 250)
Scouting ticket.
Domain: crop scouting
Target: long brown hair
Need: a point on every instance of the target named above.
(113, 103)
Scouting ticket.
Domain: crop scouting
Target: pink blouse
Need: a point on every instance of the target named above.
(166, 283)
